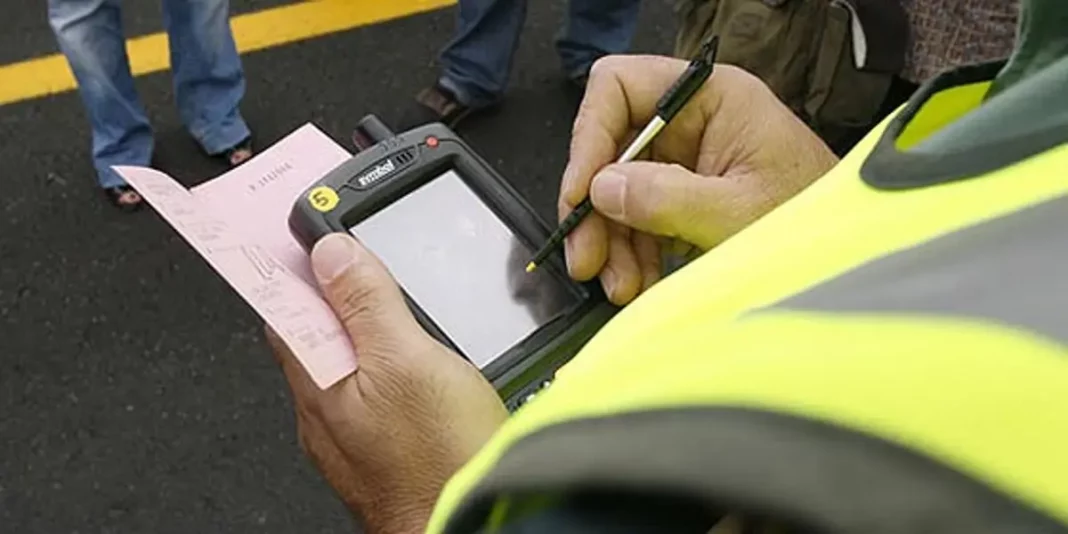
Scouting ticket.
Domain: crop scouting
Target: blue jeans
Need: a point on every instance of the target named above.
(478, 61)
(208, 79)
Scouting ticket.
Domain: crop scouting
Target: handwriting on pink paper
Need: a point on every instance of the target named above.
(256, 197)
(237, 223)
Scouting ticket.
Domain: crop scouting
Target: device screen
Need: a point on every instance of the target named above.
(464, 267)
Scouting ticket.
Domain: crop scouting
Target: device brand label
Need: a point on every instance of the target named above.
(380, 171)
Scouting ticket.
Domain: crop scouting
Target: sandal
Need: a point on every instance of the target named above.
(124, 197)
(239, 153)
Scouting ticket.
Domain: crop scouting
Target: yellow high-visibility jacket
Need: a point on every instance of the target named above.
(886, 352)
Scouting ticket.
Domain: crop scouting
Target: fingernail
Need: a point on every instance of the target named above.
(333, 255)
(607, 193)
(569, 250)
(608, 281)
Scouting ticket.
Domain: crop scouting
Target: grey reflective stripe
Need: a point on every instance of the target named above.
(815, 474)
(1012, 270)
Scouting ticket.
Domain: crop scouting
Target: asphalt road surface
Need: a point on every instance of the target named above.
(136, 392)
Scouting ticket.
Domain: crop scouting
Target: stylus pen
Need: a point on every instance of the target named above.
(667, 107)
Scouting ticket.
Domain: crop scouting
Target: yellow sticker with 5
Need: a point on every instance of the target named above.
(323, 198)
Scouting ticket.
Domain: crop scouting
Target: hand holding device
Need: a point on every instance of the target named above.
(456, 236)
(388, 437)
(729, 157)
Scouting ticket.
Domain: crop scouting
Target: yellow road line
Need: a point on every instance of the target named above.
(253, 31)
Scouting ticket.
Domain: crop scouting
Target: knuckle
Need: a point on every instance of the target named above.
(736, 75)
(584, 117)
(651, 199)
(604, 68)
(358, 294)
(650, 203)
(607, 65)
(357, 304)
(743, 83)
(577, 126)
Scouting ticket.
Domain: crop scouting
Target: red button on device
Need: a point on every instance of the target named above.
(431, 141)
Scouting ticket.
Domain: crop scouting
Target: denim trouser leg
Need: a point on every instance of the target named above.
(596, 28)
(209, 81)
(478, 61)
(90, 35)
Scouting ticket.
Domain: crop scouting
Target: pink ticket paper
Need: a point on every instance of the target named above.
(238, 224)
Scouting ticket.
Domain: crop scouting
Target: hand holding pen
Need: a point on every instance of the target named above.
(673, 100)
(729, 156)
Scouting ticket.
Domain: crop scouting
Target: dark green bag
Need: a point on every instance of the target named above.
(831, 61)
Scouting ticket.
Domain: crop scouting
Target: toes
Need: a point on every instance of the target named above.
(240, 156)
(130, 198)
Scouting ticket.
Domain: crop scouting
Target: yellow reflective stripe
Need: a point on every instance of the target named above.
(835, 225)
(984, 399)
(940, 110)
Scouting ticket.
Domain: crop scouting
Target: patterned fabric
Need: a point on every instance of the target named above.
(951, 33)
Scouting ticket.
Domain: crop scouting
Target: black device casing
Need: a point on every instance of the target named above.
(406, 161)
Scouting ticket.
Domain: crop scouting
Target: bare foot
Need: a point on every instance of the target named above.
(240, 153)
(239, 156)
(124, 197)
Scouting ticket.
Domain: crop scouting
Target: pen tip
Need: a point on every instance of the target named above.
(531, 266)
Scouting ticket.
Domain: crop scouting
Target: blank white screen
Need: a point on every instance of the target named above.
(463, 267)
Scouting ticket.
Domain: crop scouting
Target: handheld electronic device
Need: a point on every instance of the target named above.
(456, 237)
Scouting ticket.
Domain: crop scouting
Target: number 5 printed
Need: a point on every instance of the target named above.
(323, 198)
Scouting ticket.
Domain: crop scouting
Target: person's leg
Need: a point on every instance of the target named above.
(90, 35)
(595, 28)
(476, 63)
(209, 81)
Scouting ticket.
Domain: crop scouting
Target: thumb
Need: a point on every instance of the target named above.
(666, 200)
(364, 296)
